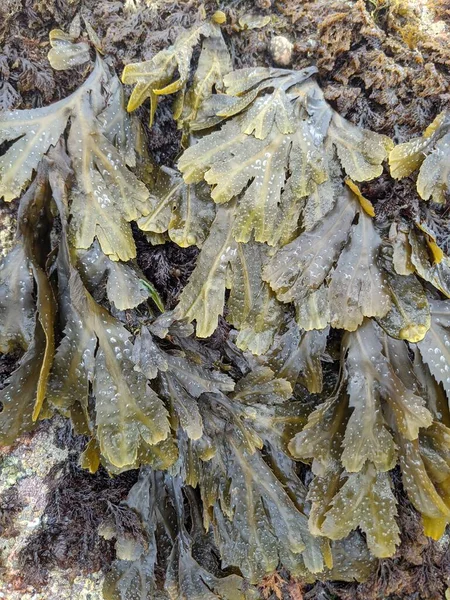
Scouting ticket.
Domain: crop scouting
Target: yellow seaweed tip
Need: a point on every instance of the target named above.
(413, 333)
(365, 203)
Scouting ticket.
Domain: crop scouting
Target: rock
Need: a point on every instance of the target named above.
(281, 50)
(25, 468)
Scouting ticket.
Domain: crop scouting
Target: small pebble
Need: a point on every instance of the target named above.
(281, 50)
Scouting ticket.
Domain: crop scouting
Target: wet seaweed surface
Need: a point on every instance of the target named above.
(376, 74)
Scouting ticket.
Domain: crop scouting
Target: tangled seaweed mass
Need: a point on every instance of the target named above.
(272, 188)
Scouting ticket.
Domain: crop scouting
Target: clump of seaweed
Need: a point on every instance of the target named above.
(382, 63)
(266, 200)
(77, 503)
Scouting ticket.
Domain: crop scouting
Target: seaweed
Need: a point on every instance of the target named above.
(158, 501)
(288, 139)
(268, 241)
(427, 154)
(68, 537)
(155, 77)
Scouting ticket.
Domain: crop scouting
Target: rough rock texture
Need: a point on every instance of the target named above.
(23, 498)
(50, 513)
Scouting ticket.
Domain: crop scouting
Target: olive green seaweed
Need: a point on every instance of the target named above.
(322, 333)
